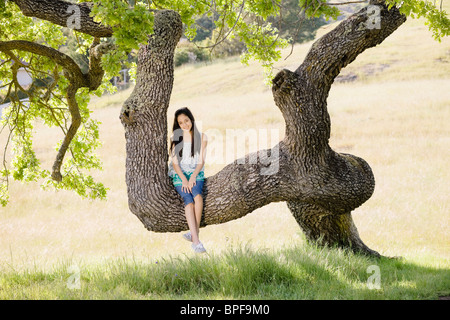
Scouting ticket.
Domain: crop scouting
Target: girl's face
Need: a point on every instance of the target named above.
(184, 122)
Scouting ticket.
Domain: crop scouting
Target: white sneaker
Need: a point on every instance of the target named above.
(198, 248)
(188, 236)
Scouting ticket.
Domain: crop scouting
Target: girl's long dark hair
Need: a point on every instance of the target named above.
(177, 137)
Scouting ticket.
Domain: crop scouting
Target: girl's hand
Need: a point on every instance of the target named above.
(185, 186)
(192, 182)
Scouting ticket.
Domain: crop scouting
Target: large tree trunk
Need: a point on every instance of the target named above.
(321, 187)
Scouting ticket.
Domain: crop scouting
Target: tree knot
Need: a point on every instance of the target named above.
(127, 117)
(283, 81)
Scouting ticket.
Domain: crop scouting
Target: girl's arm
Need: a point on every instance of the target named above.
(178, 170)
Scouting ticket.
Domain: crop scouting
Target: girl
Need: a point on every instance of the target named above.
(188, 152)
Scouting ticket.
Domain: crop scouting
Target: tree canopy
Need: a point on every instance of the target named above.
(107, 31)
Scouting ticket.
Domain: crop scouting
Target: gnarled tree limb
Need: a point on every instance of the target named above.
(58, 57)
(60, 12)
(77, 79)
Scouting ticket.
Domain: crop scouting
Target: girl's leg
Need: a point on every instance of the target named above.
(198, 208)
(189, 213)
(192, 222)
(197, 193)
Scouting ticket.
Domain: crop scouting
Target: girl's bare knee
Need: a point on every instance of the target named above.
(190, 205)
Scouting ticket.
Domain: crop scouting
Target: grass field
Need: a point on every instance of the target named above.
(298, 272)
(395, 115)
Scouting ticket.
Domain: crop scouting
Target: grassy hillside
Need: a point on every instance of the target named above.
(395, 115)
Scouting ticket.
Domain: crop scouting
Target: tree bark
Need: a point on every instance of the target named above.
(62, 12)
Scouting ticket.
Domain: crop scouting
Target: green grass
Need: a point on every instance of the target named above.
(298, 272)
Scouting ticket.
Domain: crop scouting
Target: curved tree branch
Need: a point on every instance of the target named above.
(76, 122)
(60, 12)
(351, 37)
(77, 79)
(309, 125)
(58, 57)
(96, 72)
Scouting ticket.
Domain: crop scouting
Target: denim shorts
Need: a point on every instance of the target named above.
(188, 197)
